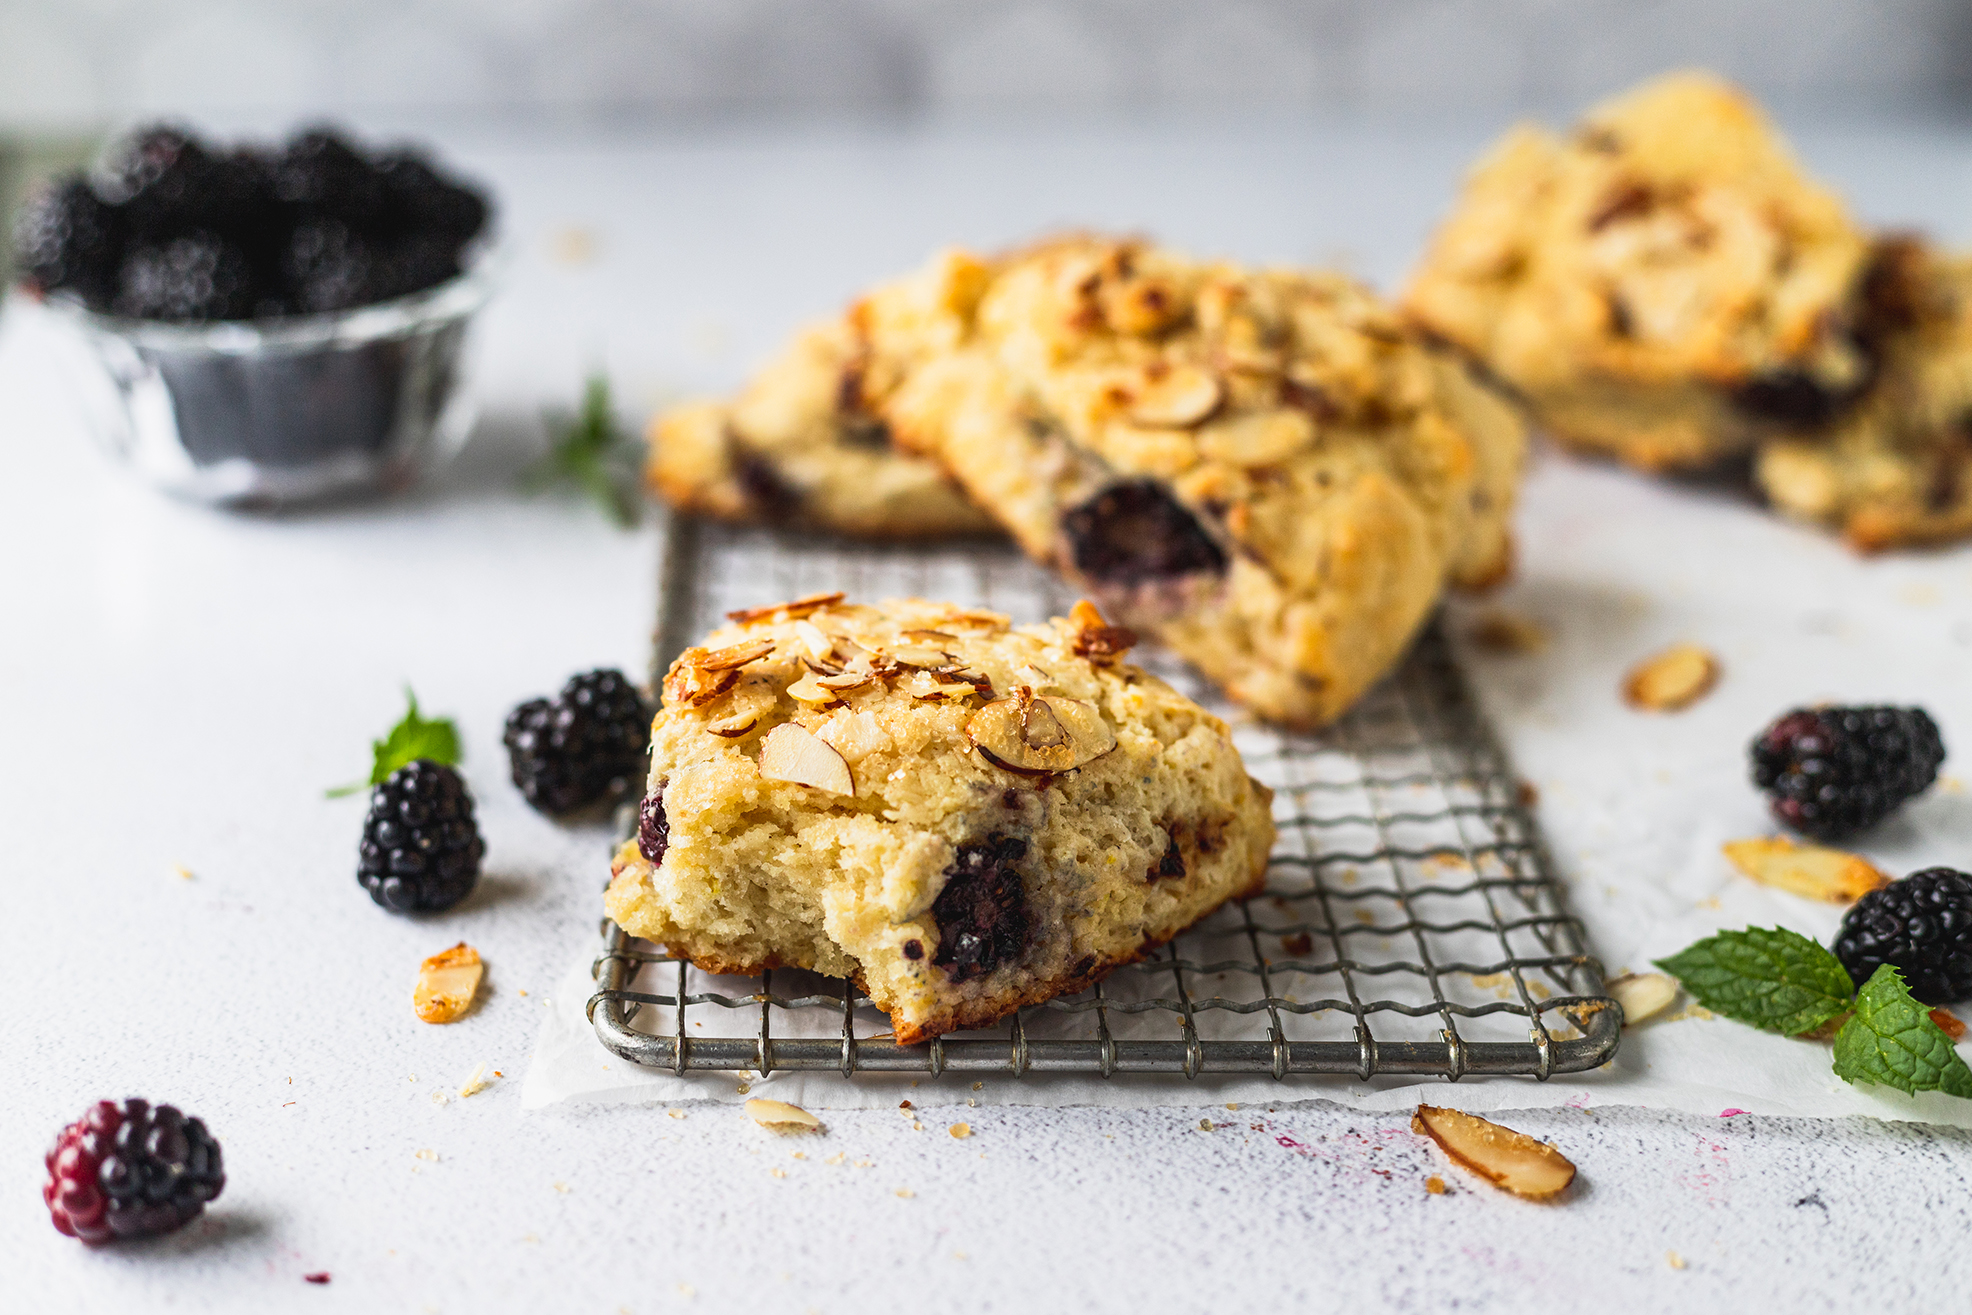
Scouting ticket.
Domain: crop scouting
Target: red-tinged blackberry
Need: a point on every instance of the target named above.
(65, 237)
(423, 200)
(198, 277)
(1835, 771)
(131, 1170)
(585, 746)
(421, 844)
(981, 912)
(1922, 925)
(321, 175)
(653, 827)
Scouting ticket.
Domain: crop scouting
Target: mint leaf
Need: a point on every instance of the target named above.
(412, 738)
(1892, 1040)
(594, 455)
(1772, 978)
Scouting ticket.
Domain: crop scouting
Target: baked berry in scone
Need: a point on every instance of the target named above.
(1897, 468)
(804, 445)
(1262, 468)
(959, 815)
(1663, 283)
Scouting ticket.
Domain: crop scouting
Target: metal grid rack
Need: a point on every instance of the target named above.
(1411, 922)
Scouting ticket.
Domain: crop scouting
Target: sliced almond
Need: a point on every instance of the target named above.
(844, 681)
(1676, 678)
(800, 607)
(1501, 1156)
(794, 754)
(810, 690)
(1642, 994)
(1095, 638)
(688, 686)
(1262, 439)
(734, 656)
(781, 1116)
(447, 982)
(1176, 398)
(1814, 871)
(927, 636)
(814, 642)
(919, 655)
(1038, 735)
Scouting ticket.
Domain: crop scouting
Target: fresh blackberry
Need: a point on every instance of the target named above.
(1835, 771)
(159, 178)
(422, 200)
(585, 746)
(327, 266)
(130, 1170)
(981, 912)
(421, 845)
(320, 175)
(65, 237)
(653, 827)
(199, 276)
(412, 262)
(1922, 925)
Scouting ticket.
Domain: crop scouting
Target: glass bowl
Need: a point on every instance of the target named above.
(264, 413)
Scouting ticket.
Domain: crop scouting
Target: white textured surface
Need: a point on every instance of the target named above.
(184, 684)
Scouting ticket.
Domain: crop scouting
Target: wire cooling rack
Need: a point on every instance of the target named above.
(1411, 922)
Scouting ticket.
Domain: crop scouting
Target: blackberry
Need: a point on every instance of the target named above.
(981, 913)
(412, 262)
(1835, 771)
(421, 845)
(66, 237)
(327, 266)
(200, 276)
(423, 200)
(585, 746)
(653, 827)
(1135, 531)
(320, 175)
(159, 178)
(1922, 925)
(130, 1170)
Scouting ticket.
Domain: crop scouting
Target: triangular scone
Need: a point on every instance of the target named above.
(961, 816)
(1664, 283)
(1261, 467)
(802, 445)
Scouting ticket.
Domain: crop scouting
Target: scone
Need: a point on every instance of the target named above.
(803, 446)
(1897, 469)
(1663, 283)
(960, 816)
(1261, 467)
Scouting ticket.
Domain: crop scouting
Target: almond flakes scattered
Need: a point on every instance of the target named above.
(1176, 398)
(1814, 871)
(800, 607)
(733, 656)
(781, 1116)
(1642, 995)
(1505, 1158)
(1039, 735)
(447, 982)
(1671, 680)
(794, 754)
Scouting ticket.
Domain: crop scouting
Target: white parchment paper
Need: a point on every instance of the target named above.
(1635, 806)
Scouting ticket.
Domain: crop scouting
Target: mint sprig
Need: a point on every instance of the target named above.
(412, 738)
(1770, 977)
(590, 452)
(1782, 981)
(1891, 1039)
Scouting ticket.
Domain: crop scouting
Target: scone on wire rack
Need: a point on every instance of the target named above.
(1663, 283)
(1262, 468)
(803, 444)
(959, 815)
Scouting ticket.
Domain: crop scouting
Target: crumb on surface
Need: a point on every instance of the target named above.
(1674, 1260)
(475, 1083)
(676, 1114)
(561, 1188)
(428, 1154)
(906, 1193)
(960, 1130)
(1435, 1185)
(318, 1277)
(184, 873)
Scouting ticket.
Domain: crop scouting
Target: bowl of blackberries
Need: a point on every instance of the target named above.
(274, 323)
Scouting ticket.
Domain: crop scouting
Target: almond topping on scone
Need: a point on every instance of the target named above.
(1037, 735)
(792, 753)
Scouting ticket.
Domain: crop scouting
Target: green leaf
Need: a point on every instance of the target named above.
(1892, 1040)
(412, 738)
(1772, 978)
(595, 456)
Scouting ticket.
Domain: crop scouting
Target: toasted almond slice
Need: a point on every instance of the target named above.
(920, 655)
(1948, 1023)
(800, 607)
(1176, 398)
(447, 982)
(1814, 871)
(1676, 678)
(794, 754)
(1503, 1157)
(735, 655)
(693, 687)
(1095, 638)
(1071, 733)
(844, 681)
(810, 690)
(932, 637)
(1262, 439)
(1642, 994)
(734, 728)
(781, 1116)
(814, 642)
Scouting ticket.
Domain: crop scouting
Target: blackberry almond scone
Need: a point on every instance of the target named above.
(1262, 468)
(959, 815)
